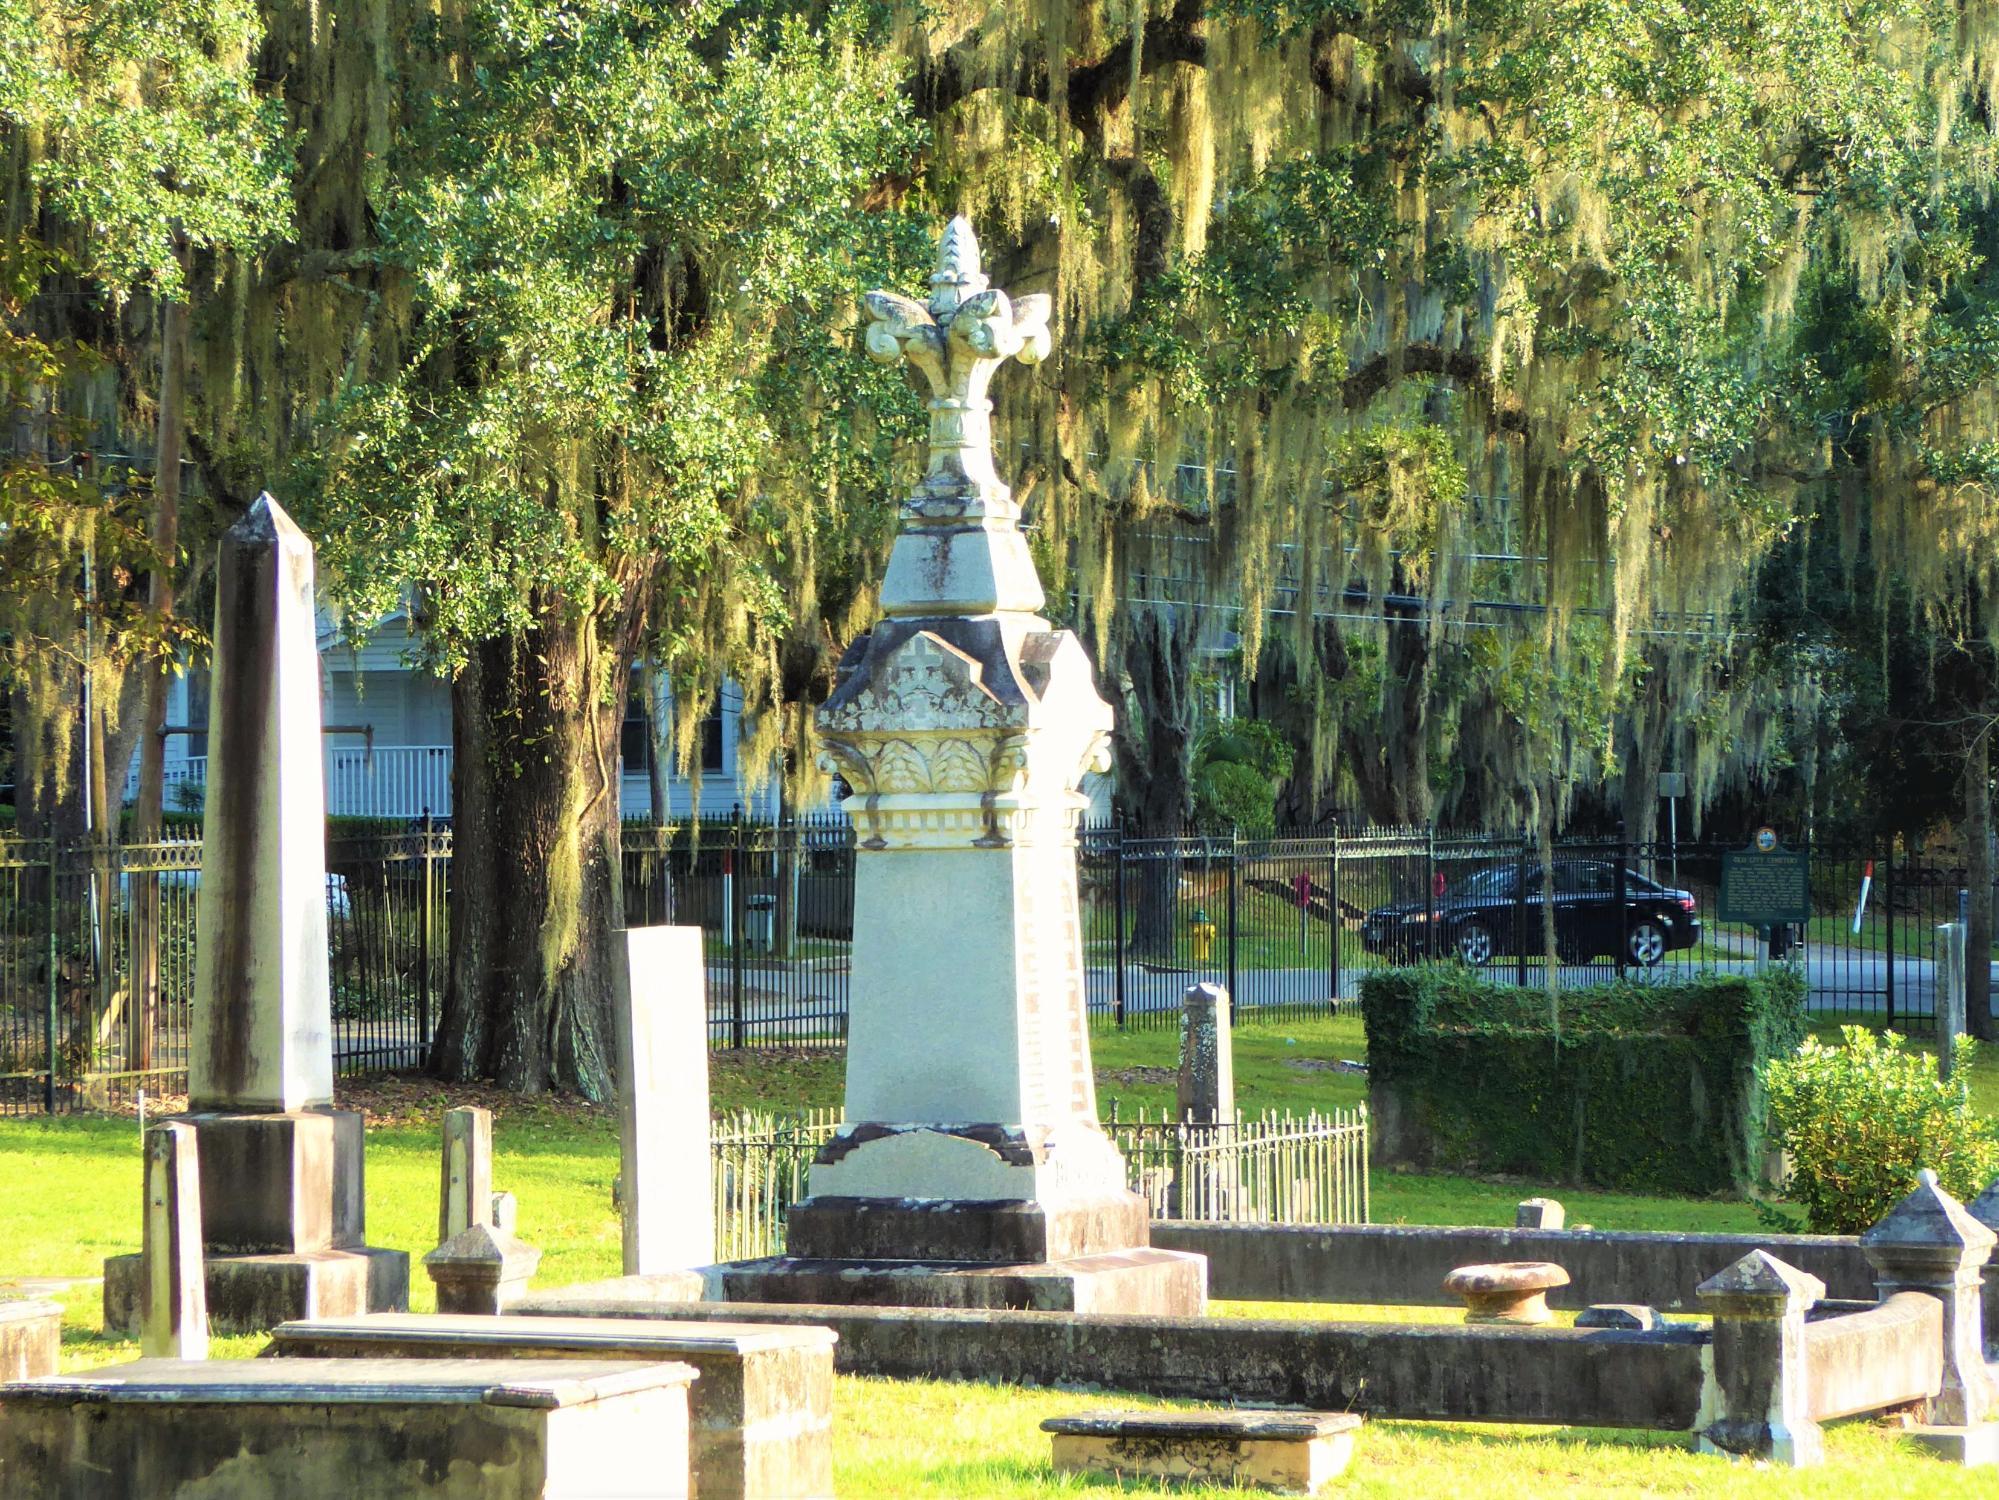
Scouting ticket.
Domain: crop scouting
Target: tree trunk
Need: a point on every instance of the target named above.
(537, 898)
(156, 678)
(1978, 930)
(1155, 747)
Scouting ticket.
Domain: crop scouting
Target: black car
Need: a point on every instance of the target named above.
(1485, 915)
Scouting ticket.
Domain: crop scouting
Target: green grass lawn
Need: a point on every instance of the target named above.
(72, 1198)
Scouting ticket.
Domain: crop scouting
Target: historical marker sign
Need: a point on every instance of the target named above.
(1765, 884)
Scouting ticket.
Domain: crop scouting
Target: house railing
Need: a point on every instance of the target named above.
(390, 781)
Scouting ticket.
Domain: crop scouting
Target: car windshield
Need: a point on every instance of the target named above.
(1496, 881)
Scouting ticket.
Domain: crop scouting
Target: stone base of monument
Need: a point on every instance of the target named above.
(281, 1225)
(286, 1182)
(1162, 1283)
(351, 1429)
(1081, 1255)
(249, 1293)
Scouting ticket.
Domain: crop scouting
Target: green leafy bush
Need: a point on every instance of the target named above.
(1860, 1120)
(1646, 1086)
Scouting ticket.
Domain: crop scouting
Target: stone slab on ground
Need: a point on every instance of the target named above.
(250, 1293)
(760, 1415)
(350, 1429)
(30, 1339)
(1161, 1283)
(1293, 1453)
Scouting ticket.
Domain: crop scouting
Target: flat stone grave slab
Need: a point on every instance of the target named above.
(761, 1413)
(1293, 1453)
(30, 1338)
(350, 1429)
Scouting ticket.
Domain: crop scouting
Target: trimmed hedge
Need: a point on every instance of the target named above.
(1647, 1086)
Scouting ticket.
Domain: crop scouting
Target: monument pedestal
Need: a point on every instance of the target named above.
(250, 1293)
(1084, 1255)
(281, 1225)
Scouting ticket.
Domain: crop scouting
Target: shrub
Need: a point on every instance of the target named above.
(1860, 1120)
(1646, 1086)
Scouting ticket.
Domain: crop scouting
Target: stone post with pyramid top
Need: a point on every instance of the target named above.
(972, 1170)
(281, 1201)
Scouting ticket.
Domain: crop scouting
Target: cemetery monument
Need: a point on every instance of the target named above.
(282, 1214)
(972, 1168)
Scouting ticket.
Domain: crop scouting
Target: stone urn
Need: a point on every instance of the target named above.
(1511, 1291)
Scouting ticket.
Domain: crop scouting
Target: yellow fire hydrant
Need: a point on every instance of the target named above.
(1202, 933)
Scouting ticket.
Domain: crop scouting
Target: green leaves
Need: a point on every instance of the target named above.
(152, 134)
(631, 234)
(1860, 1120)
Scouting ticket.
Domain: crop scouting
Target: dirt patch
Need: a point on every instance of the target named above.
(1324, 1065)
(1143, 1073)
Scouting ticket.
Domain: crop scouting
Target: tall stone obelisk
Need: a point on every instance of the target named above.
(972, 1168)
(282, 1202)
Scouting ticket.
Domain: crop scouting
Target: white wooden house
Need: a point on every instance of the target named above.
(388, 740)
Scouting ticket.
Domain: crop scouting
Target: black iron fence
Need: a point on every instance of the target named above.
(97, 943)
(1290, 924)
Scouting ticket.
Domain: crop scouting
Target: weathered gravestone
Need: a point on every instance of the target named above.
(479, 1267)
(465, 1175)
(282, 1222)
(1206, 1092)
(667, 1192)
(173, 1301)
(963, 723)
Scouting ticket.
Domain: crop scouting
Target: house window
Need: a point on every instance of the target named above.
(711, 741)
(197, 711)
(635, 735)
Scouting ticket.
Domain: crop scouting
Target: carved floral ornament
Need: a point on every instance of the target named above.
(965, 332)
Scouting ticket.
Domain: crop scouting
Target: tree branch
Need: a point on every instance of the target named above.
(1364, 383)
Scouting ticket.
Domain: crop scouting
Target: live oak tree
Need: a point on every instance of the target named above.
(140, 153)
(627, 238)
(1413, 285)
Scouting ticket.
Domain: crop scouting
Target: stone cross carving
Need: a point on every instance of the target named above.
(960, 551)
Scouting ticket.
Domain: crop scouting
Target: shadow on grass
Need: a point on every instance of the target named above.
(1466, 1435)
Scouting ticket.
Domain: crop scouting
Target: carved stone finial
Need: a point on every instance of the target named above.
(958, 274)
(957, 340)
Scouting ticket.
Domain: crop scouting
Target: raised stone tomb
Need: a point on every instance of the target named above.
(760, 1416)
(350, 1429)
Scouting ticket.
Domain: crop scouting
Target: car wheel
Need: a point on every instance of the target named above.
(1474, 943)
(1646, 943)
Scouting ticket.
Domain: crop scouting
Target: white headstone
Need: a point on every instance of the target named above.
(173, 1297)
(662, 1030)
(1950, 994)
(263, 1013)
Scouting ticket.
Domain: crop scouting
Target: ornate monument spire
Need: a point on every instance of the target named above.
(961, 551)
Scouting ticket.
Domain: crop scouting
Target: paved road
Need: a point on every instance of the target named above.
(1841, 981)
